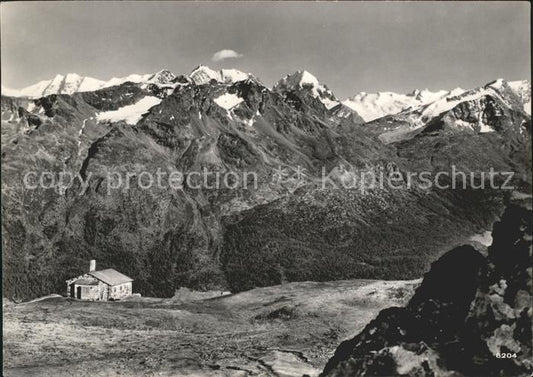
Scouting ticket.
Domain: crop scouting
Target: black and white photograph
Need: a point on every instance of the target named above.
(266, 188)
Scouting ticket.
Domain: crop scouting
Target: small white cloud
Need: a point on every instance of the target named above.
(225, 54)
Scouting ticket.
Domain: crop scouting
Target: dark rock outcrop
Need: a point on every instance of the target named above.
(470, 317)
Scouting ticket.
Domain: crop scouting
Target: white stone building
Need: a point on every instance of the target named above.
(104, 285)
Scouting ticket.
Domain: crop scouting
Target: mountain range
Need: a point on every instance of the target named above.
(369, 106)
(74, 83)
(260, 234)
(375, 105)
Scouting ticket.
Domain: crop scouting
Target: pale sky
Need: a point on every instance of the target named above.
(350, 46)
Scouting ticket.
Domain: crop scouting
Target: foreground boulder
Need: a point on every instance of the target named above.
(470, 317)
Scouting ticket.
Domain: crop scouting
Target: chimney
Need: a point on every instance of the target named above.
(92, 265)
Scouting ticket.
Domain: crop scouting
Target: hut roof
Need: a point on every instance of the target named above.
(111, 276)
(85, 281)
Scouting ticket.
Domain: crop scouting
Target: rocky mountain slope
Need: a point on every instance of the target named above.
(471, 316)
(264, 231)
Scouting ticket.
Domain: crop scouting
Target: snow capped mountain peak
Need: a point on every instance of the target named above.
(164, 71)
(414, 93)
(457, 91)
(426, 95)
(55, 85)
(72, 76)
(202, 67)
(88, 84)
(470, 109)
(369, 105)
(376, 105)
(523, 89)
(498, 83)
(73, 83)
(233, 75)
(304, 80)
(308, 78)
(203, 75)
(300, 79)
(135, 78)
(162, 77)
(520, 85)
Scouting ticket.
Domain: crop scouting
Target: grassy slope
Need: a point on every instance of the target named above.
(283, 330)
